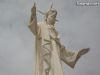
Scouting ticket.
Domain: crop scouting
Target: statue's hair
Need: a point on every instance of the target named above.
(54, 10)
(47, 13)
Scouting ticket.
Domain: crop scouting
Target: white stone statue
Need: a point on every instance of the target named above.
(48, 48)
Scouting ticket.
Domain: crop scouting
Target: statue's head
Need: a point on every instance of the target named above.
(51, 16)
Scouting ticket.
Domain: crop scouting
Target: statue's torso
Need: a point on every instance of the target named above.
(48, 30)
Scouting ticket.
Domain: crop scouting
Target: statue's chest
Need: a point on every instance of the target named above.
(52, 31)
(47, 31)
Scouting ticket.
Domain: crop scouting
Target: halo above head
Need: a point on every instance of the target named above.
(51, 10)
(51, 6)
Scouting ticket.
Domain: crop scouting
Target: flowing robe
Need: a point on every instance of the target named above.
(49, 53)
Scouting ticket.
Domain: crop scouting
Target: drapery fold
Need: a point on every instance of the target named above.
(48, 52)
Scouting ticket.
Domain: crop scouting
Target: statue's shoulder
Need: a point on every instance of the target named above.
(41, 24)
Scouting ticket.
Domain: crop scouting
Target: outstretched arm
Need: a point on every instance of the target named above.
(33, 20)
(70, 57)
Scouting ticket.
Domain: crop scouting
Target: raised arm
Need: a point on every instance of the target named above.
(33, 20)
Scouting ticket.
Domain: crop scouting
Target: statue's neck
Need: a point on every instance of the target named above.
(50, 23)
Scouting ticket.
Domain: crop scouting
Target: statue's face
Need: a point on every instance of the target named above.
(51, 17)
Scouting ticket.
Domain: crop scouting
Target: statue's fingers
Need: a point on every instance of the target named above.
(34, 4)
(33, 9)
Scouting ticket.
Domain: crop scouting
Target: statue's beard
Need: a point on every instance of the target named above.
(51, 20)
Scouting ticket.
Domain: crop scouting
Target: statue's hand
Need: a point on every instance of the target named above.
(33, 10)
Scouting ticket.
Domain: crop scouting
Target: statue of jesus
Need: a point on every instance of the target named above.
(48, 48)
